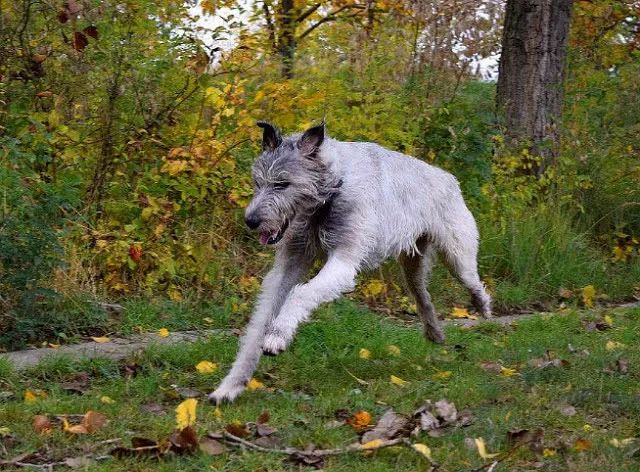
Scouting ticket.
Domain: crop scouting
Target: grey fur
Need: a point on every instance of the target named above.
(357, 204)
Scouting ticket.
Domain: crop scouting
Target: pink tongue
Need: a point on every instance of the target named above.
(264, 237)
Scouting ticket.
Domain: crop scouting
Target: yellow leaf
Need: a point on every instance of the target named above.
(442, 375)
(101, 339)
(482, 449)
(107, 400)
(423, 449)
(393, 350)
(206, 367)
(30, 397)
(622, 442)
(588, 293)
(546, 452)
(398, 381)
(507, 371)
(608, 319)
(587, 427)
(255, 384)
(163, 332)
(186, 413)
(4, 431)
(458, 312)
(373, 288)
(613, 345)
(75, 429)
(364, 353)
(376, 443)
(217, 412)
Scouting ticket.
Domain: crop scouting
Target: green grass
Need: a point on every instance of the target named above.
(316, 378)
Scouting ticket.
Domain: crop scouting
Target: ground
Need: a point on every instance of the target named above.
(574, 374)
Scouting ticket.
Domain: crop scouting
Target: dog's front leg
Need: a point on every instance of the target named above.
(287, 271)
(336, 277)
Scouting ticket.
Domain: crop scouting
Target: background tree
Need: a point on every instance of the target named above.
(531, 73)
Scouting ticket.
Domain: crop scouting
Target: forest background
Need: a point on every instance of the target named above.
(127, 132)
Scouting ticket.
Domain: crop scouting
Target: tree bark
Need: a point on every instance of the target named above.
(287, 39)
(531, 73)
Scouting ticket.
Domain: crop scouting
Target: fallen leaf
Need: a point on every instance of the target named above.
(237, 429)
(101, 339)
(441, 375)
(263, 430)
(622, 442)
(613, 345)
(582, 444)
(73, 429)
(186, 413)
(264, 417)
(184, 441)
(588, 293)
(255, 384)
(42, 424)
(446, 411)
(93, 421)
(206, 367)
(79, 41)
(163, 332)
(423, 449)
(374, 444)
(364, 353)
(398, 381)
(460, 313)
(154, 408)
(393, 350)
(107, 400)
(482, 449)
(360, 420)
(78, 462)
(508, 372)
(389, 426)
(30, 397)
(608, 319)
(546, 452)
(568, 410)
(491, 367)
(211, 447)
(565, 293)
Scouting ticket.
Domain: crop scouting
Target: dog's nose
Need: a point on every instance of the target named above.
(252, 221)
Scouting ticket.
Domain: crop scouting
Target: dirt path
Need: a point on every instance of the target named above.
(121, 348)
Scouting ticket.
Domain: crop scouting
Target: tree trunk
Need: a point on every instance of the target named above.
(531, 72)
(287, 39)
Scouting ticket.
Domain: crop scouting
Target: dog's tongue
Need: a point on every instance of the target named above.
(264, 237)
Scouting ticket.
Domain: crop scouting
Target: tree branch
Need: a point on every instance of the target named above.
(272, 29)
(332, 16)
(306, 14)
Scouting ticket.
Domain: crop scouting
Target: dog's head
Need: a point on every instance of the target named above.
(290, 179)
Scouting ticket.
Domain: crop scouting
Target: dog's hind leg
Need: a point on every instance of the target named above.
(461, 258)
(287, 271)
(336, 277)
(417, 268)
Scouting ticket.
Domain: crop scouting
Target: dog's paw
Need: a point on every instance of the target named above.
(435, 334)
(226, 393)
(274, 344)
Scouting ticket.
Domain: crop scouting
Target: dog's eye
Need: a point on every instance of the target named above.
(281, 185)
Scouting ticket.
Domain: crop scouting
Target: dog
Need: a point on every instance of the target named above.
(355, 204)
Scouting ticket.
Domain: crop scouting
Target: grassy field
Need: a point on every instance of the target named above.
(492, 370)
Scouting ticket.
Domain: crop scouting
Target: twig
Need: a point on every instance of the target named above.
(233, 440)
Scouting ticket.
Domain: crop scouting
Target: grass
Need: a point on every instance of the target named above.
(316, 378)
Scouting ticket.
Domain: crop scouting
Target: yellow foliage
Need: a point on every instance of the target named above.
(186, 413)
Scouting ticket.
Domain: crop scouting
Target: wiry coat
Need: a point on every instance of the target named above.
(357, 204)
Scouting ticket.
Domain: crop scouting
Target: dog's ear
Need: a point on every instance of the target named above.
(271, 137)
(311, 140)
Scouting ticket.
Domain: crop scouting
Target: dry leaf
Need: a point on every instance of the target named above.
(582, 444)
(211, 447)
(423, 449)
(441, 375)
(360, 420)
(107, 400)
(163, 332)
(101, 339)
(389, 426)
(613, 345)
(446, 411)
(508, 372)
(393, 350)
(93, 421)
(376, 443)
(546, 452)
(622, 442)
(186, 413)
(588, 294)
(206, 367)
(255, 384)
(398, 381)
(482, 449)
(364, 353)
(30, 397)
(42, 424)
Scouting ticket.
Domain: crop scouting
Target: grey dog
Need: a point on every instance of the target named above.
(356, 204)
